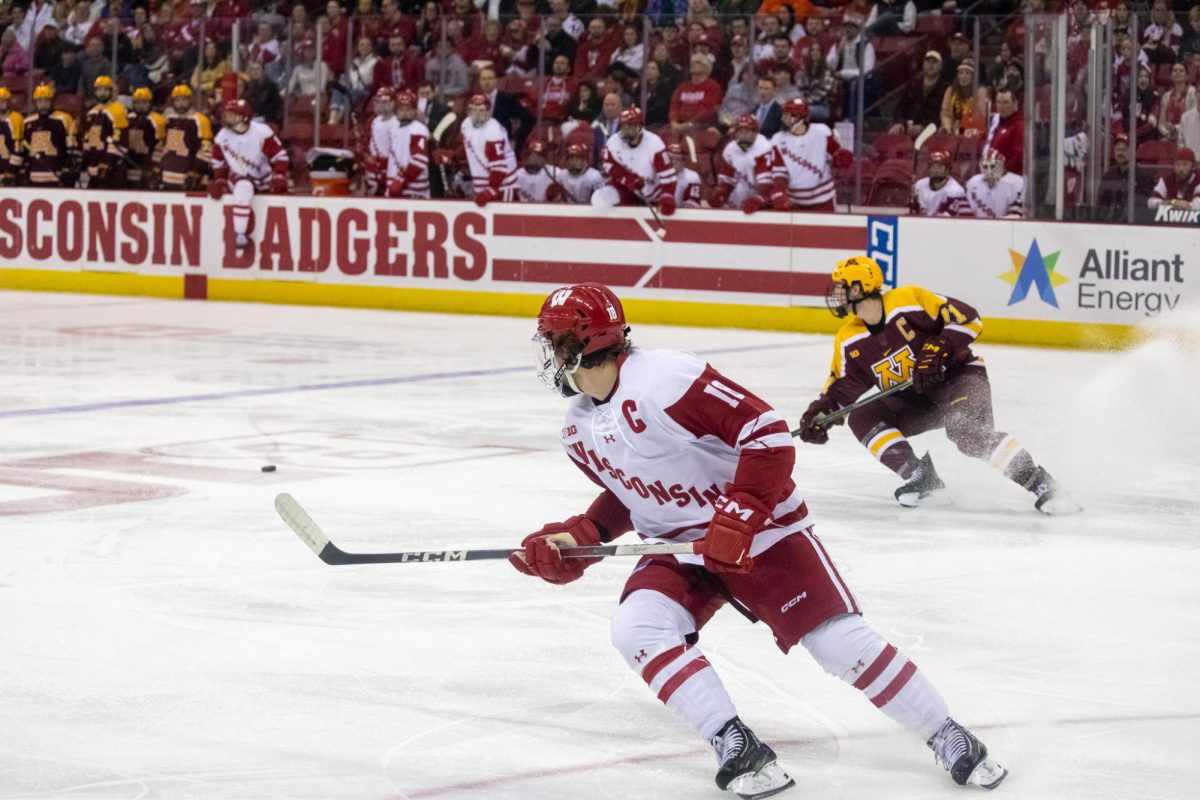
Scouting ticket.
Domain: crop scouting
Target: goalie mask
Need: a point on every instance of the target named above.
(745, 130)
(479, 109)
(853, 280)
(631, 122)
(991, 165)
(576, 322)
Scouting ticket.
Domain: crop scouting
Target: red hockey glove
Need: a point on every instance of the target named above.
(496, 179)
(930, 369)
(485, 196)
(666, 204)
(726, 543)
(395, 187)
(279, 184)
(752, 204)
(542, 557)
(630, 181)
(811, 430)
(218, 188)
(843, 159)
(781, 202)
(720, 197)
(554, 193)
(443, 157)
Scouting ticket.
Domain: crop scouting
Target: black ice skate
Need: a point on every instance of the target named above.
(924, 487)
(1052, 499)
(965, 757)
(747, 766)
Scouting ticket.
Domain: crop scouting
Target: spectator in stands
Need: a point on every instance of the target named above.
(676, 45)
(768, 113)
(960, 51)
(1162, 38)
(264, 47)
(446, 70)
(310, 76)
(785, 83)
(514, 48)
(1179, 189)
(781, 53)
(432, 111)
(67, 73)
(607, 122)
(891, 18)
(1146, 127)
(739, 66)
(209, 70)
(14, 59)
(92, 65)
(556, 89)
(360, 74)
(568, 22)
(853, 56)
(300, 29)
(1006, 131)
(149, 63)
(336, 40)
(769, 27)
(1122, 13)
(507, 109)
(585, 104)
(79, 23)
(595, 51)
(393, 22)
(660, 87)
(921, 102)
(263, 94)
(961, 114)
(816, 84)
(741, 93)
(999, 67)
(486, 49)
(552, 41)
(400, 69)
(1179, 98)
(48, 48)
(1189, 47)
(695, 101)
(429, 26)
(632, 52)
(1113, 203)
(1189, 129)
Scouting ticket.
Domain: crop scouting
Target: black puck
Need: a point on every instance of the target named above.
(269, 468)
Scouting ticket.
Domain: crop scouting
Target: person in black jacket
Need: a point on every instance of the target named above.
(507, 109)
(263, 95)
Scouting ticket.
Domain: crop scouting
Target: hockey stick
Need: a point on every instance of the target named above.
(311, 534)
(562, 198)
(825, 420)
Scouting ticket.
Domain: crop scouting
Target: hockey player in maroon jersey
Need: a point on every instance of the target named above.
(48, 148)
(184, 157)
(682, 453)
(913, 333)
(103, 137)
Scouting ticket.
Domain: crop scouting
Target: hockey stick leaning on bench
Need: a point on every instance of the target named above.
(311, 534)
(826, 420)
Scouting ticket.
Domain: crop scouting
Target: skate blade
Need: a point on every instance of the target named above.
(987, 775)
(935, 499)
(1059, 505)
(767, 782)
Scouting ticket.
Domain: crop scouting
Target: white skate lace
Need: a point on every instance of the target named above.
(949, 745)
(730, 745)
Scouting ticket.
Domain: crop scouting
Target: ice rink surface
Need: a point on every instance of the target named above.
(164, 635)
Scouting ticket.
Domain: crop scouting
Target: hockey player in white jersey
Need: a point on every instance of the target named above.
(637, 169)
(805, 153)
(247, 158)
(746, 176)
(995, 193)
(379, 142)
(938, 195)
(490, 157)
(535, 180)
(687, 181)
(579, 180)
(682, 453)
(408, 164)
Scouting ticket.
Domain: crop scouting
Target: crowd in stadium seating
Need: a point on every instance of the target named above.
(560, 72)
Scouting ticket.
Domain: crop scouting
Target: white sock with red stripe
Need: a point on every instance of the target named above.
(650, 630)
(848, 648)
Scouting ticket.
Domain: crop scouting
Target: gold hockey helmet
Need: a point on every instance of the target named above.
(852, 280)
(103, 81)
(182, 90)
(44, 91)
(143, 93)
(5, 94)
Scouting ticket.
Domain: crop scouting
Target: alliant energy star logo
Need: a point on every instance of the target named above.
(1034, 269)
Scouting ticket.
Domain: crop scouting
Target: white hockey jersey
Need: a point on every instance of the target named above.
(805, 161)
(533, 186)
(747, 172)
(489, 150)
(253, 155)
(687, 188)
(1005, 199)
(409, 157)
(669, 439)
(649, 161)
(579, 188)
(949, 200)
(379, 151)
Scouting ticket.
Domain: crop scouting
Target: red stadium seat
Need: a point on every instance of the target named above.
(893, 145)
(1156, 151)
(70, 103)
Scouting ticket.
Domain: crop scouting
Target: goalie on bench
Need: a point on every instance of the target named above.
(681, 453)
(914, 333)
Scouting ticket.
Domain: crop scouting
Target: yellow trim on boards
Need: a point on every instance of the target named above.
(1043, 333)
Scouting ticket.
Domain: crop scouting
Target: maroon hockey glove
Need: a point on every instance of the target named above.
(443, 157)
(395, 187)
(752, 204)
(726, 543)
(843, 159)
(780, 201)
(666, 204)
(485, 196)
(812, 431)
(554, 193)
(218, 188)
(279, 184)
(930, 369)
(720, 197)
(542, 557)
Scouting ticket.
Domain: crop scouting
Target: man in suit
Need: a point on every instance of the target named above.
(507, 109)
(768, 112)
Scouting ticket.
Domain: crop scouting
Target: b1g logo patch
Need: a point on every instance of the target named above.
(896, 368)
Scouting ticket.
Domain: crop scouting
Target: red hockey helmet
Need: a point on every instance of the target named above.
(382, 93)
(939, 157)
(1185, 154)
(537, 146)
(406, 98)
(480, 99)
(590, 311)
(746, 122)
(577, 151)
(796, 108)
(674, 150)
(237, 113)
(632, 116)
